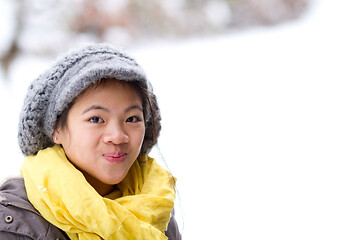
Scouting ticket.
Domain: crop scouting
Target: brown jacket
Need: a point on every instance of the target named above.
(20, 220)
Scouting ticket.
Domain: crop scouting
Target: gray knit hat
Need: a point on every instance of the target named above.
(50, 94)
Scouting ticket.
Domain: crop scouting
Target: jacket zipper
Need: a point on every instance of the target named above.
(31, 210)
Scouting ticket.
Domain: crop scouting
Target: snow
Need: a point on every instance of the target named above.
(218, 13)
(261, 127)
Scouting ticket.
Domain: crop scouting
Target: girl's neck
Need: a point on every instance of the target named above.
(102, 188)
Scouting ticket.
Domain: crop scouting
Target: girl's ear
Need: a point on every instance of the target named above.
(56, 137)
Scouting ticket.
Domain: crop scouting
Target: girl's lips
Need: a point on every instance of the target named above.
(115, 157)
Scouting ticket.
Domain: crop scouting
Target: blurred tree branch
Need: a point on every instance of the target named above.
(46, 27)
(13, 49)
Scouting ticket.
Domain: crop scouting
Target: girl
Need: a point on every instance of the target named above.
(86, 127)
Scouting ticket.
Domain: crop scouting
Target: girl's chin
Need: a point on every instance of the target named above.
(113, 181)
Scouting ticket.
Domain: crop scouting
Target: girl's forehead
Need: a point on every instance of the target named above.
(109, 88)
(110, 85)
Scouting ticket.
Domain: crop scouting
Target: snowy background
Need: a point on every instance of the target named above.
(261, 127)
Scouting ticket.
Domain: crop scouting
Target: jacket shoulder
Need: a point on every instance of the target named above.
(172, 231)
(19, 218)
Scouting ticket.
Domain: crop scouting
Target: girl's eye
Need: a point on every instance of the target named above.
(96, 120)
(133, 119)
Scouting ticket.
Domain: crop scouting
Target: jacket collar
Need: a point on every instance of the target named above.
(13, 193)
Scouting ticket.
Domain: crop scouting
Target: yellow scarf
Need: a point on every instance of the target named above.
(139, 208)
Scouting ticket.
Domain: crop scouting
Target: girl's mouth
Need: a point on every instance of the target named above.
(115, 157)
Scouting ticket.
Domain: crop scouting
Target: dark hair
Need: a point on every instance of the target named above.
(151, 114)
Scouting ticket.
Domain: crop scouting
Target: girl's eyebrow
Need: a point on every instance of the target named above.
(134, 107)
(96, 107)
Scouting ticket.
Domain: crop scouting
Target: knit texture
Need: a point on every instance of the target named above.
(56, 88)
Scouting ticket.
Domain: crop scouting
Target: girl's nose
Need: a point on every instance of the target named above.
(115, 134)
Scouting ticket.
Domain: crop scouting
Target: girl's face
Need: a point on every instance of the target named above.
(104, 133)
